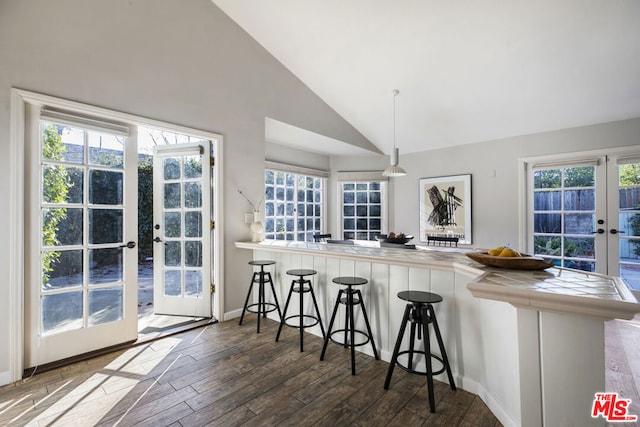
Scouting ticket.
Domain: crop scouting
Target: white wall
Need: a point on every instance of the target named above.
(494, 198)
(176, 61)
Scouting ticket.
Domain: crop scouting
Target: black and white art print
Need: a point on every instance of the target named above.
(445, 208)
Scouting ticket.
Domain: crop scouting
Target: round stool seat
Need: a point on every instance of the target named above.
(420, 297)
(261, 262)
(350, 280)
(301, 272)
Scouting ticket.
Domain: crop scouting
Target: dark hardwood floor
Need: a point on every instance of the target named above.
(227, 375)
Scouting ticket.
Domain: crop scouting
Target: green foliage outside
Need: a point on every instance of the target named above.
(55, 185)
(145, 207)
(630, 177)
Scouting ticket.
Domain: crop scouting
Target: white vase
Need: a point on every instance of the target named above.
(257, 229)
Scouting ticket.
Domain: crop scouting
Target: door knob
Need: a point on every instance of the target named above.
(157, 240)
(599, 231)
(614, 231)
(129, 245)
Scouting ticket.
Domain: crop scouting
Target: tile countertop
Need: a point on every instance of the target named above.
(554, 289)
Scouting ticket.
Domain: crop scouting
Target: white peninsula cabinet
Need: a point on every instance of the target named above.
(530, 344)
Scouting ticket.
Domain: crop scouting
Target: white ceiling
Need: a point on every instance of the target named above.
(467, 71)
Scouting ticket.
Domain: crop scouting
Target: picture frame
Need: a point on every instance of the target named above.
(445, 209)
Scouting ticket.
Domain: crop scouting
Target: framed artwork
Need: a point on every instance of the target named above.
(445, 208)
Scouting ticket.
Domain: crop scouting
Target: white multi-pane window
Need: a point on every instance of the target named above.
(362, 209)
(294, 206)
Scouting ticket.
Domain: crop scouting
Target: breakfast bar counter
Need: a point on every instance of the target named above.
(519, 357)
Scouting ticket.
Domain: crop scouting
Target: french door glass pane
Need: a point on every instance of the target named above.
(171, 168)
(193, 254)
(172, 224)
(61, 226)
(193, 283)
(62, 184)
(105, 149)
(62, 269)
(192, 195)
(105, 305)
(105, 187)
(62, 312)
(564, 216)
(62, 143)
(193, 224)
(172, 282)
(193, 167)
(105, 226)
(105, 266)
(173, 254)
(172, 196)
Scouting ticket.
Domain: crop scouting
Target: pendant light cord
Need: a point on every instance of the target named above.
(395, 93)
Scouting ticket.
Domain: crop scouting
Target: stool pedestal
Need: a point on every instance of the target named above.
(419, 312)
(301, 286)
(350, 298)
(262, 307)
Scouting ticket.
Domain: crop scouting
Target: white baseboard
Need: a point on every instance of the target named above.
(476, 388)
(232, 314)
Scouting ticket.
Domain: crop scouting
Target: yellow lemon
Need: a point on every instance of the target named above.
(495, 251)
(509, 253)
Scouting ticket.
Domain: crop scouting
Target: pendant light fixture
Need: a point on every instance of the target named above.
(394, 169)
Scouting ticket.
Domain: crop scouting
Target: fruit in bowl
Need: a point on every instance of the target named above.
(503, 252)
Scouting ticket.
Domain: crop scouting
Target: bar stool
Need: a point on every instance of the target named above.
(263, 307)
(349, 297)
(420, 312)
(303, 286)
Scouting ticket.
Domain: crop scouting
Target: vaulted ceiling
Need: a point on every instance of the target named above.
(467, 71)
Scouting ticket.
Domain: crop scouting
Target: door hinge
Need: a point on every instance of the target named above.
(212, 161)
(213, 288)
(213, 225)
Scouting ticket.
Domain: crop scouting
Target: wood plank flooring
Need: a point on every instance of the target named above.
(227, 375)
(622, 358)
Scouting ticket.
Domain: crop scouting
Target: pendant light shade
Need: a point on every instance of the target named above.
(394, 169)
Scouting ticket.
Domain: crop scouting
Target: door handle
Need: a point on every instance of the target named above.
(599, 231)
(157, 240)
(129, 245)
(614, 231)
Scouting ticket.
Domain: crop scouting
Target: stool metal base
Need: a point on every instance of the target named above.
(262, 307)
(419, 313)
(349, 297)
(301, 286)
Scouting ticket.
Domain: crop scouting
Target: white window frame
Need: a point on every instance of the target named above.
(306, 172)
(359, 177)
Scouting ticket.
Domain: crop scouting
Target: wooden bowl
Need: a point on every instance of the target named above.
(396, 240)
(524, 262)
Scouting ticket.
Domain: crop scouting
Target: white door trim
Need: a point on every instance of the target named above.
(19, 99)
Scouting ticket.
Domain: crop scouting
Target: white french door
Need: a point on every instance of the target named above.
(182, 229)
(81, 274)
(584, 213)
(623, 213)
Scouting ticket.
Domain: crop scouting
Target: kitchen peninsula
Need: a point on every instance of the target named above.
(518, 356)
